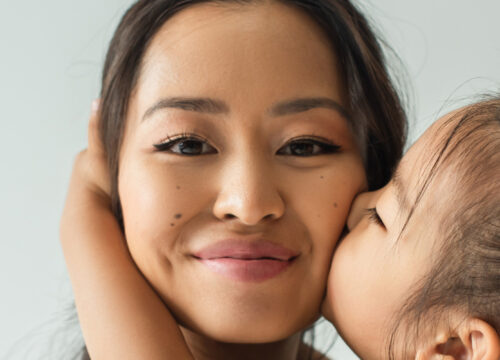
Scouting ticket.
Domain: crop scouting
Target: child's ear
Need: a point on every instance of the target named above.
(474, 339)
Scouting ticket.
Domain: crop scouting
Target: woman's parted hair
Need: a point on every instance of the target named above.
(379, 120)
(465, 277)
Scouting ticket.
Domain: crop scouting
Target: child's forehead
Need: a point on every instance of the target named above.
(428, 182)
(435, 136)
(439, 167)
(426, 150)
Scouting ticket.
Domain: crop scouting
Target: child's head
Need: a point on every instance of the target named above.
(419, 272)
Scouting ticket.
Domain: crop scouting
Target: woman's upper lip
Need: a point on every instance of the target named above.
(246, 250)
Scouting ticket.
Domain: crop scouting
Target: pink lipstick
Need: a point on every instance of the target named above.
(242, 260)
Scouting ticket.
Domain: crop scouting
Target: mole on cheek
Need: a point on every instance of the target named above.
(177, 216)
(321, 177)
(178, 187)
(335, 205)
(172, 224)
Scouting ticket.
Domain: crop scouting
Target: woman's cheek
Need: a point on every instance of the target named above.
(155, 205)
(324, 208)
(341, 192)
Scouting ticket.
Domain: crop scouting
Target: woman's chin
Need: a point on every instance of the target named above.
(242, 328)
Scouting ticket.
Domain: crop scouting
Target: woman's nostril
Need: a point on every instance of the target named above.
(268, 217)
(246, 220)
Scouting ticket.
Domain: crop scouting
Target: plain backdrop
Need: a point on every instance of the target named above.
(51, 58)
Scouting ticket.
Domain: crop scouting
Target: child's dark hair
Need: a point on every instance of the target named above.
(466, 276)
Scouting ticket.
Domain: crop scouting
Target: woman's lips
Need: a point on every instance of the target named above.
(241, 260)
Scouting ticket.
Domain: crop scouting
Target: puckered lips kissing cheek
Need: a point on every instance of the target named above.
(246, 259)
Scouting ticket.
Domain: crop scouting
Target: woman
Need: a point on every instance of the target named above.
(237, 134)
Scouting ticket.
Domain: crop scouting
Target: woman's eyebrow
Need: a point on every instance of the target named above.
(299, 105)
(203, 105)
(214, 106)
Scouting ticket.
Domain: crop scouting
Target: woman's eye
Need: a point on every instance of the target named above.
(308, 147)
(186, 145)
(375, 217)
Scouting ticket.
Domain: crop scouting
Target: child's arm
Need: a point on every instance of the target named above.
(120, 314)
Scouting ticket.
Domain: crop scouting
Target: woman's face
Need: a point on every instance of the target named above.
(238, 169)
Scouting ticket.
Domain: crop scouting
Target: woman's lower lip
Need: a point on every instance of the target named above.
(250, 270)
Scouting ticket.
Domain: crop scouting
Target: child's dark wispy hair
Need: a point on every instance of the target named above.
(465, 278)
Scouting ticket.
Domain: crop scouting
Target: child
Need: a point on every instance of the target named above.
(417, 276)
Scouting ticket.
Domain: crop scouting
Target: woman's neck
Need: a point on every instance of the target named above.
(204, 348)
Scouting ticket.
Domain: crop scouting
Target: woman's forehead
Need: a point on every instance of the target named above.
(266, 49)
(264, 18)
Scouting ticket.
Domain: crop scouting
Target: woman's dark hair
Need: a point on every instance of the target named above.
(376, 110)
(465, 278)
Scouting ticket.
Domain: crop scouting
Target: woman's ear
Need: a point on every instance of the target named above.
(474, 339)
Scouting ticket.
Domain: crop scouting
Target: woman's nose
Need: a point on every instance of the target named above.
(248, 193)
(358, 209)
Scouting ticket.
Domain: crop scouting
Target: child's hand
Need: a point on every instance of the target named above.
(90, 169)
(120, 314)
(98, 171)
(90, 182)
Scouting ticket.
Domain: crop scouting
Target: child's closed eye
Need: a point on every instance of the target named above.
(375, 217)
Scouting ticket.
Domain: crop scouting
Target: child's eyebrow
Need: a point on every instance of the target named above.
(401, 194)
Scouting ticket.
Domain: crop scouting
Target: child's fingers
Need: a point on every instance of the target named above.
(94, 140)
(96, 155)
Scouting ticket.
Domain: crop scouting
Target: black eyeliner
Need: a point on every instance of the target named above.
(171, 141)
(328, 147)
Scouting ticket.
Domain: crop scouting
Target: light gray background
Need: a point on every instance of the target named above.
(50, 63)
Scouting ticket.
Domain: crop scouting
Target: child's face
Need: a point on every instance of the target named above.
(377, 263)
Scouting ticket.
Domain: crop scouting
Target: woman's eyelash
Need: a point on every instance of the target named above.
(375, 217)
(189, 144)
(308, 146)
(193, 145)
